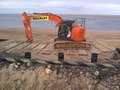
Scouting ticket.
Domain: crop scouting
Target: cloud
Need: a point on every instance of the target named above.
(61, 6)
(29, 4)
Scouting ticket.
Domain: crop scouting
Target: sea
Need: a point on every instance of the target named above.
(107, 23)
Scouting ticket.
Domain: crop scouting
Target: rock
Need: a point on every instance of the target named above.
(18, 63)
(46, 82)
(60, 76)
(28, 64)
(49, 66)
(11, 66)
(118, 87)
(70, 74)
(89, 87)
(18, 82)
(115, 56)
(81, 72)
(16, 66)
(23, 67)
(101, 87)
(48, 71)
(87, 74)
(61, 66)
(96, 73)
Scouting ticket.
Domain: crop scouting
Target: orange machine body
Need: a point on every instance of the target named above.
(78, 33)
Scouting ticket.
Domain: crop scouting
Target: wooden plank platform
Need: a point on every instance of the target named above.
(29, 48)
(41, 49)
(11, 45)
(4, 43)
(48, 50)
(82, 52)
(71, 51)
(106, 45)
(100, 47)
(17, 48)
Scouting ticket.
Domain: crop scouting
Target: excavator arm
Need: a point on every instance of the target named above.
(27, 26)
(52, 17)
(38, 16)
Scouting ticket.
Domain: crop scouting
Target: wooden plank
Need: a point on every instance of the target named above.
(20, 47)
(71, 51)
(4, 43)
(72, 57)
(100, 47)
(89, 53)
(84, 58)
(106, 45)
(48, 50)
(12, 50)
(56, 51)
(82, 52)
(39, 48)
(23, 49)
(2, 49)
(34, 46)
(95, 50)
(29, 48)
(11, 45)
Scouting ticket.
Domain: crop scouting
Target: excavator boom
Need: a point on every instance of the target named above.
(52, 17)
(38, 16)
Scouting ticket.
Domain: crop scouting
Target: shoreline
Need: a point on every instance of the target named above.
(41, 28)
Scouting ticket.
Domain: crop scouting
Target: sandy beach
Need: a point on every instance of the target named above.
(111, 38)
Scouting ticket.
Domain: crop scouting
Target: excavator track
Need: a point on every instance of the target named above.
(72, 45)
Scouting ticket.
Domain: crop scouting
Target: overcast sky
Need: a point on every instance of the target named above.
(106, 7)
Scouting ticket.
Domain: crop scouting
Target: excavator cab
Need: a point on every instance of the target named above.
(72, 30)
(65, 29)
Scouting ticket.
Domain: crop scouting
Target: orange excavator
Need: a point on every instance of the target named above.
(70, 34)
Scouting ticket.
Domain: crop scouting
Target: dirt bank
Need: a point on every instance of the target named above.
(39, 77)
